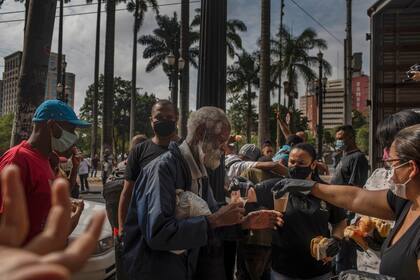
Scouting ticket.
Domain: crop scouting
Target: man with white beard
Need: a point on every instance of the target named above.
(160, 245)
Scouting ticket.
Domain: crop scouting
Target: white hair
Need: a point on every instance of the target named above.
(212, 117)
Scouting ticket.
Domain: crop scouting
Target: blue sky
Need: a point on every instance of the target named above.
(79, 38)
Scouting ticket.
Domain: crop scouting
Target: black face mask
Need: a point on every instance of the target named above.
(164, 128)
(299, 172)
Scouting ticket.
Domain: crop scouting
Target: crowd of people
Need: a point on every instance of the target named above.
(286, 214)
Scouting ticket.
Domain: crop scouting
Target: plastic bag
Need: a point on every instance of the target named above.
(188, 205)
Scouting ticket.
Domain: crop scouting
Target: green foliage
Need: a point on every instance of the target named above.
(5, 132)
(362, 138)
(329, 136)
(237, 114)
(358, 119)
(121, 113)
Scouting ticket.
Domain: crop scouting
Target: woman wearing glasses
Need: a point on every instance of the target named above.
(401, 249)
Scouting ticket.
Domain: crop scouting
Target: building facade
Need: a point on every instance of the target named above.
(360, 93)
(308, 106)
(10, 82)
(1, 95)
(11, 79)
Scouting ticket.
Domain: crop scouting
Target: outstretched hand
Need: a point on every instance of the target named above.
(263, 219)
(45, 257)
(292, 185)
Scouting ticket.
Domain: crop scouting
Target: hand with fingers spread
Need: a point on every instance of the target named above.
(263, 219)
(44, 257)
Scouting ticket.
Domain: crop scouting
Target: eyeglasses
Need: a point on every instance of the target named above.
(388, 163)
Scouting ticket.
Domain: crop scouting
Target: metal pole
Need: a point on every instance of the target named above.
(64, 99)
(60, 49)
(134, 72)
(184, 96)
(349, 70)
(280, 69)
(320, 107)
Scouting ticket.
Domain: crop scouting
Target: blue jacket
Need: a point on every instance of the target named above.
(151, 230)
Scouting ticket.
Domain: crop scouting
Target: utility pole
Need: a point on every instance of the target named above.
(60, 49)
(278, 138)
(348, 65)
(320, 99)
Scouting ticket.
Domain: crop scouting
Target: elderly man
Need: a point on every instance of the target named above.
(158, 245)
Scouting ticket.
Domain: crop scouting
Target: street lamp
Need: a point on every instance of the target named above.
(176, 66)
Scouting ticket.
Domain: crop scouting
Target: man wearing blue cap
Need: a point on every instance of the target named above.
(53, 131)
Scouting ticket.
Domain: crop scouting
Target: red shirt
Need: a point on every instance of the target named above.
(37, 177)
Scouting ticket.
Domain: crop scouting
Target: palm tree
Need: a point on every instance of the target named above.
(264, 98)
(296, 58)
(164, 41)
(94, 140)
(243, 76)
(34, 65)
(138, 8)
(233, 26)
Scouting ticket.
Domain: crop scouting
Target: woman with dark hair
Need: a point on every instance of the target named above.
(305, 218)
(401, 249)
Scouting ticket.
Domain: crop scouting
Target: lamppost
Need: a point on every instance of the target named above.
(175, 66)
(322, 83)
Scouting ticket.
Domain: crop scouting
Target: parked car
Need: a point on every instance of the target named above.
(101, 265)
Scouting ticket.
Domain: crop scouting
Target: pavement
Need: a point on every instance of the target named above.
(95, 190)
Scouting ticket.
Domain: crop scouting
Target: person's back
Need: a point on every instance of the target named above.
(84, 167)
(37, 176)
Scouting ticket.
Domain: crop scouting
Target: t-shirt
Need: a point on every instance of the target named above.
(37, 177)
(400, 259)
(140, 156)
(84, 167)
(306, 217)
(351, 170)
(95, 162)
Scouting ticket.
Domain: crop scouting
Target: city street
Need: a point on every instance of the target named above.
(95, 193)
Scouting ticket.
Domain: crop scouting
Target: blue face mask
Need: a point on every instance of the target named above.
(340, 145)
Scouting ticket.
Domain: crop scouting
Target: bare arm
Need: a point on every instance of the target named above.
(338, 229)
(284, 128)
(355, 199)
(123, 203)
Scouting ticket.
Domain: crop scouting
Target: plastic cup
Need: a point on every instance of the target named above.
(280, 204)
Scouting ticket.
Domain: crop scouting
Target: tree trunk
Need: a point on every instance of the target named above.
(134, 71)
(249, 114)
(184, 103)
(94, 140)
(108, 77)
(34, 66)
(264, 98)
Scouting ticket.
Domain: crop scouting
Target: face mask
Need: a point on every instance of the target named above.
(399, 190)
(164, 128)
(65, 142)
(299, 172)
(209, 156)
(340, 145)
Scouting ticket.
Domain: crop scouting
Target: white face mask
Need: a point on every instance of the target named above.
(65, 142)
(209, 156)
(399, 190)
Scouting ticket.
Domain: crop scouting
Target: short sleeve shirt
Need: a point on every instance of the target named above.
(306, 217)
(37, 177)
(140, 156)
(400, 259)
(237, 168)
(351, 170)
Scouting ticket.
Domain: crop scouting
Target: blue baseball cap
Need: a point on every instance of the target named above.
(57, 110)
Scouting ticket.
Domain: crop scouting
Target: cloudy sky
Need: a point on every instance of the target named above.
(79, 37)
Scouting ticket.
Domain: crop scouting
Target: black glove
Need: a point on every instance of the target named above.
(292, 185)
(334, 246)
(240, 184)
(264, 193)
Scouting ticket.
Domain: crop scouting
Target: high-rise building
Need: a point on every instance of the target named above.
(11, 78)
(1, 95)
(308, 106)
(334, 104)
(360, 93)
(10, 82)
